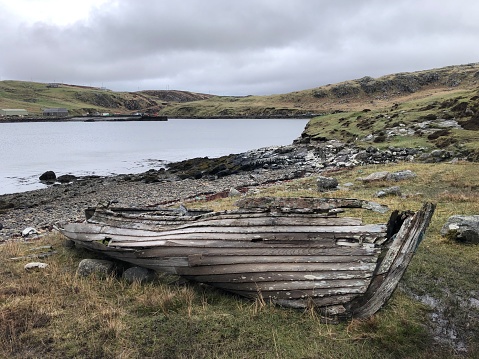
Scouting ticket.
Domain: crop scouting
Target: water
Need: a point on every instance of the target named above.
(106, 148)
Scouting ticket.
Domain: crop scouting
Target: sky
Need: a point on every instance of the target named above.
(226, 47)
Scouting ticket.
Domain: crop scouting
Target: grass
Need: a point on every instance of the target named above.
(56, 314)
(353, 125)
(34, 97)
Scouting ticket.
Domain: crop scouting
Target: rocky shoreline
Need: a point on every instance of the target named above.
(190, 179)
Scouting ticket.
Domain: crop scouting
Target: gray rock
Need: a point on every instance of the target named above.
(234, 192)
(391, 191)
(375, 207)
(139, 274)
(376, 176)
(462, 228)
(448, 124)
(48, 176)
(66, 178)
(99, 267)
(400, 176)
(35, 265)
(29, 230)
(326, 183)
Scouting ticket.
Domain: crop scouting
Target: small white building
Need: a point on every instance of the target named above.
(57, 112)
(13, 112)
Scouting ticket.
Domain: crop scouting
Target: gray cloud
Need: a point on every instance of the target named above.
(241, 47)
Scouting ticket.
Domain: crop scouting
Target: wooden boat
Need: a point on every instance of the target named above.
(296, 252)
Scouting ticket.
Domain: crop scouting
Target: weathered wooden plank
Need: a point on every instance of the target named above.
(224, 244)
(208, 260)
(295, 285)
(235, 242)
(157, 262)
(367, 229)
(365, 232)
(127, 240)
(211, 239)
(394, 248)
(277, 250)
(220, 221)
(282, 276)
(275, 241)
(353, 230)
(317, 204)
(382, 286)
(328, 301)
(106, 216)
(276, 267)
(298, 294)
(253, 236)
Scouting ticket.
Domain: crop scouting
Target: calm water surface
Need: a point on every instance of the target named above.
(105, 148)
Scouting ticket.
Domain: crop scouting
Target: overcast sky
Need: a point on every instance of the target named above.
(226, 47)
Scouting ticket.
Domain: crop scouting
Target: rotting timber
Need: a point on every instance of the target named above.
(296, 252)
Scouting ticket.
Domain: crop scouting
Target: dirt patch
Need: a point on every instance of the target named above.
(471, 124)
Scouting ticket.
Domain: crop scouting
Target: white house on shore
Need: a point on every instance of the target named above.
(13, 112)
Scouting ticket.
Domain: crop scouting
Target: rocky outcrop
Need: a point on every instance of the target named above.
(176, 96)
(401, 83)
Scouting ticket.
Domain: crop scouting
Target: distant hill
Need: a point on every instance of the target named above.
(436, 109)
(34, 97)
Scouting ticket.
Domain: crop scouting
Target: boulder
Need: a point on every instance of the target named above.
(376, 176)
(462, 228)
(48, 176)
(139, 274)
(376, 207)
(400, 176)
(326, 183)
(99, 267)
(391, 191)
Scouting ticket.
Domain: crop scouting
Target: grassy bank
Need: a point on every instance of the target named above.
(56, 314)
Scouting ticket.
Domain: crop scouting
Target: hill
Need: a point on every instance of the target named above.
(435, 109)
(79, 100)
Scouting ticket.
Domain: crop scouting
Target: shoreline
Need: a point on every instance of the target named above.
(42, 208)
(117, 118)
(190, 179)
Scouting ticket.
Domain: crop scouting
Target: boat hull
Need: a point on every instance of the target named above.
(296, 257)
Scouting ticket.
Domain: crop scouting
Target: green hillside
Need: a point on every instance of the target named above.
(79, 100)
(437, 109)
